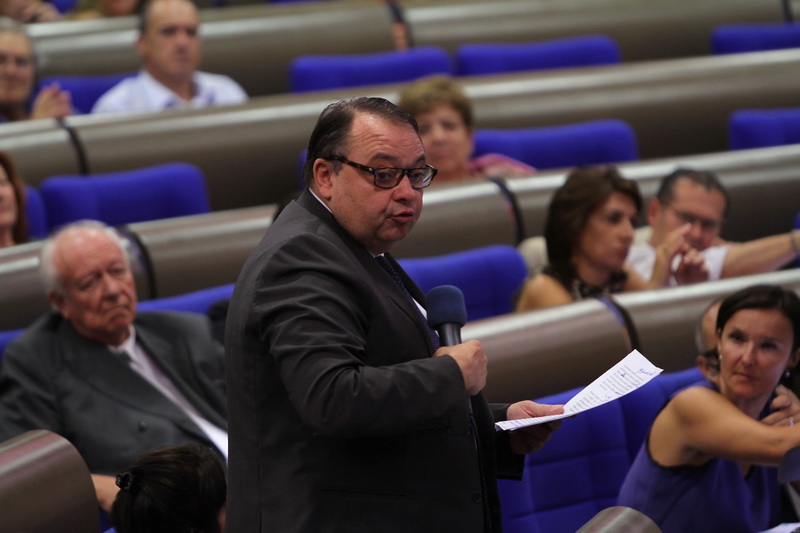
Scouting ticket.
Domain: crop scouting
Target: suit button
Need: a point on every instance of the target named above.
(142, 425)
(476, 497)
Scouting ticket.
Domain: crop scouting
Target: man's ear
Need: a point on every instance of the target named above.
(322, 172)
(140, 45)
(57, 300)
(653, 211)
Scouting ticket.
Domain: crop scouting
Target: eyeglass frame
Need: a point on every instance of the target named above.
(706, 224)
(374, 170)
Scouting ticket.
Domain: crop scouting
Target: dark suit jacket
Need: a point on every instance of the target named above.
(339, 419)
(53, 378)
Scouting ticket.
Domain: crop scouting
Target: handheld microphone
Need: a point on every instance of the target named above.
(446, 313)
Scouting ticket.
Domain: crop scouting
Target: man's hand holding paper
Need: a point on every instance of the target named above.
(626, 376)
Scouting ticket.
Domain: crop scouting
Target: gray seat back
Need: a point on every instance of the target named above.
(45, 486)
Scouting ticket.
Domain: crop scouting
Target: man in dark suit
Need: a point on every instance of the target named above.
(344, 415)
(114, 383)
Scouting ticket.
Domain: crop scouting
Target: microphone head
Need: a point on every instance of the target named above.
(445, 305)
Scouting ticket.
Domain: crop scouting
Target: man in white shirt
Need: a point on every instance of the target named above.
(698, 201)
(169, 44)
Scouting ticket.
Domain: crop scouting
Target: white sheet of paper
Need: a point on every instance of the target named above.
(628, 375)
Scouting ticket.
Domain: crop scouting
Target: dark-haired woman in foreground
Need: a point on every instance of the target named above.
(181, 489)
(708, 461)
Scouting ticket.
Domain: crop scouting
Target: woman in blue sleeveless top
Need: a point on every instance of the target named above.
(708, 463)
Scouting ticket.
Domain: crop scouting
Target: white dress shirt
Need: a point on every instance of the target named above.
(142, 363)
(143, 93)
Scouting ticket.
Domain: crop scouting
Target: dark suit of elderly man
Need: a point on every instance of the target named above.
(114, 383)
(344, 413)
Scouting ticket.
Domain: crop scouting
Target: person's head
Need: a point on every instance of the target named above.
(118, 8)
(759, 336)
(444, 114)
(169, 39)
(13, 220)
(371, 205)
(87, 277)
(591, 219)
(705, 340)
(689, 196)
(17, 65)
(180, 489)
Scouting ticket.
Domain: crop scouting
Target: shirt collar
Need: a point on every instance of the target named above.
(165, 98)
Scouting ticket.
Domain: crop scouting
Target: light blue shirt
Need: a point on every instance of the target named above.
(143, 93)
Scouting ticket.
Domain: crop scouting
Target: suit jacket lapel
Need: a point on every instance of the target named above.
(111, 374)
(164, 354)
(376, 272)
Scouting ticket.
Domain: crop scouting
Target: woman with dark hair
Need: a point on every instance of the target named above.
(707, 463)
(181, 489)
(13, 220)
(589, 231)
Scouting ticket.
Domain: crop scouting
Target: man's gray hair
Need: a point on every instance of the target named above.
(49, 274)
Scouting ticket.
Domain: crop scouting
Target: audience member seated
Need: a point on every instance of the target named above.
(708, 461)
(446, 127)
(13, 220)
(17, 80)
(169, 44)
(113, 382)
(29, 11)
(706, 340)
(588, 232)
(95, 9)
(697, 199)
(179, 489)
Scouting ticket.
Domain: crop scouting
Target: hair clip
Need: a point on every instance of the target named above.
(126, 481)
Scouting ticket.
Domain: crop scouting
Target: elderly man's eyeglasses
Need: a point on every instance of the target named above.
(706, 224)
(390, 177)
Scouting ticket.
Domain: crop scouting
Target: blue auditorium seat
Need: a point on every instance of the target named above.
(64, 6)
(319, 72)
(5, 339)
(38, 226)
(581, 468)
(84, 90)
(759, 128)
(586, 143)
(489, 277)
(490, 58)
(738, 38)
(193, 302)
(117, 198)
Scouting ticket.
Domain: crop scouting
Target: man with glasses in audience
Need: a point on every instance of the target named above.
(345, 414)
(169, 45)
(698, 201)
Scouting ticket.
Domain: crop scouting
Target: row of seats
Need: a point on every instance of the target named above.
(169, 257)
(255, 44)
(675, 107)
(184, 254)
(320, 72)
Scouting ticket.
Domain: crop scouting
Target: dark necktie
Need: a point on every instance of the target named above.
(387, 266)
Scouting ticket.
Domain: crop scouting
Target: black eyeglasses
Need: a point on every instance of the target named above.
(390, 177)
